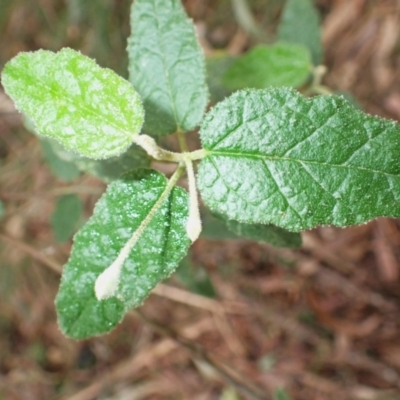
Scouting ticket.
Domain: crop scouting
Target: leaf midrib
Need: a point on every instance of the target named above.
(162, 53)
(210, 153)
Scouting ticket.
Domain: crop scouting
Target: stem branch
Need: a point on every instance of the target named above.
(151, 147)
(182, 141)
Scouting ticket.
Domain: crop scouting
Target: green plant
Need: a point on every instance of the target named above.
(272, 162)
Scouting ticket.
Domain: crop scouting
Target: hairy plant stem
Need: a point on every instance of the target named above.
(106, 284)
(159, 154)
(182, 142)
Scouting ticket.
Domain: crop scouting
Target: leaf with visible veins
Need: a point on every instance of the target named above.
(276, 157)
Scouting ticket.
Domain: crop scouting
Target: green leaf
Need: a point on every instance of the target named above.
(195, 278)
(300, 23)
(271, 234)
(66, 215)
(166, 66)
(64, 170)
(214, 227)
(282, 64)
(217, 65)
(217, 227)
(112, 168)
(117, 215)
(275, 157)
(87, 108)
(106, 170)
(2, 209)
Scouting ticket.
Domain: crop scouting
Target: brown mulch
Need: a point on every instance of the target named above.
(323, 321)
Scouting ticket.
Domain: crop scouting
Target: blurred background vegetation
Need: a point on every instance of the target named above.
(321, 322)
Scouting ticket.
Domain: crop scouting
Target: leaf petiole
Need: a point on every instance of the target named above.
(151, 147)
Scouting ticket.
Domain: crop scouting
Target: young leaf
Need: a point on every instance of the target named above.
(65, 217)
(271, 234)
(275, 157)
(282, 64)
(300, 23)
(166, 66)
(87, 108)
(117, 215)
(64, 170)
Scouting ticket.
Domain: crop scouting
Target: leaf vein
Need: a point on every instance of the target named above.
(278, 189)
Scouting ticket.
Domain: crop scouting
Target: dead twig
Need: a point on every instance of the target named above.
(229, 375)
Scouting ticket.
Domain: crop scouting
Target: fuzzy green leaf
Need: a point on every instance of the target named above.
(87, 108)
(275, 157)
(300, 24)
(155, 256)
(282, 64)
(65, 217)
(166, 66)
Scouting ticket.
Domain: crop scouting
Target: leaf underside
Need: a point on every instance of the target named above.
(275, 157)
(66, 215)
(166, 66)
(156, 255)
(282, 64)
(64, 170)
(215, 226)
(107, 170)
(271, 234)
(70, 98)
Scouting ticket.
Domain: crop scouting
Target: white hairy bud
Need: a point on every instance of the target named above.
(108, 281)
(193, 224)
(193, 227)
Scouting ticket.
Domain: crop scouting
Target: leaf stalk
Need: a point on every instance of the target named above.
(153, 150)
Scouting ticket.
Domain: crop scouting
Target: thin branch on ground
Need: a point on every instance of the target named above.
(229, 375)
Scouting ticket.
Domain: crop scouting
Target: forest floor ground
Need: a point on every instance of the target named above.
(322, 321)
